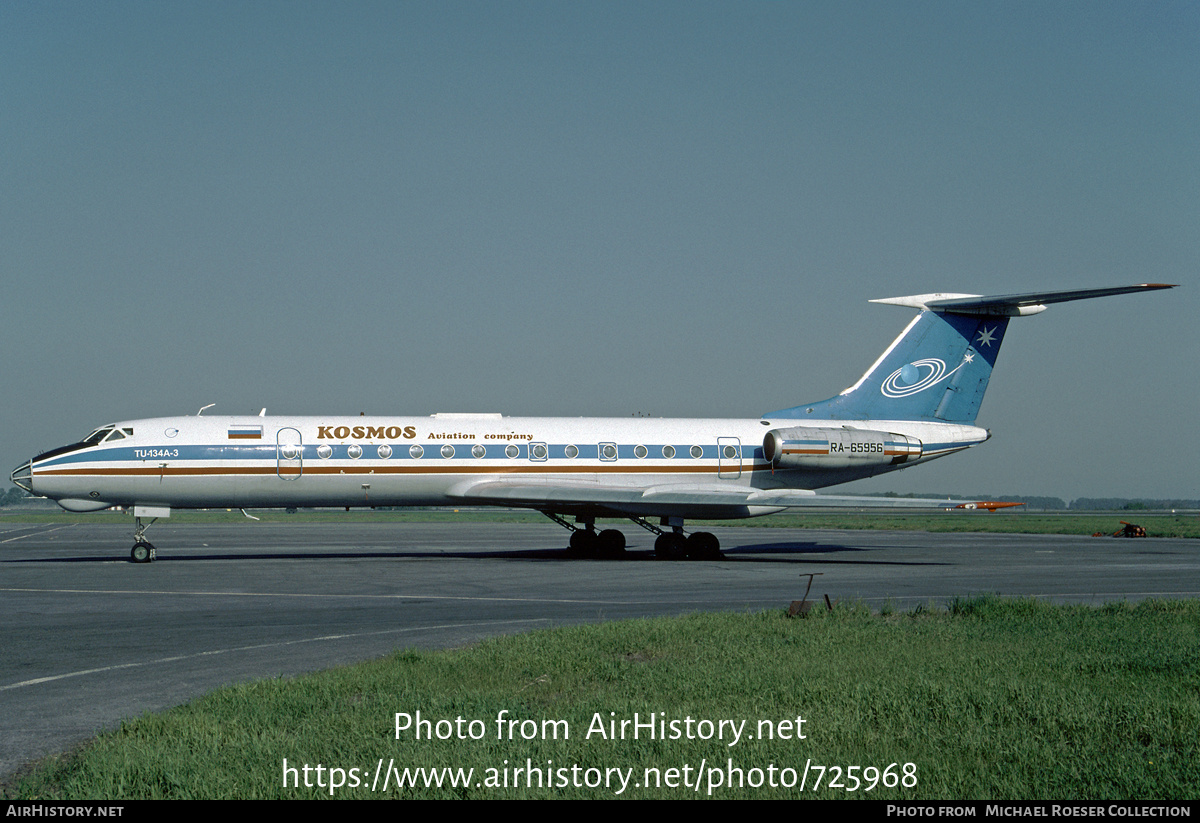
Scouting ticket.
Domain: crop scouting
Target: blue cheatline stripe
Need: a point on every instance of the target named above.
(400, 451)
(431, 452)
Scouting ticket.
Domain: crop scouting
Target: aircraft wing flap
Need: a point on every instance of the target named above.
(540, 493)
(549, 494)
(537, 494)
(847, 501)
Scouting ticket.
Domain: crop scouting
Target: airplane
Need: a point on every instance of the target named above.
(916, 403)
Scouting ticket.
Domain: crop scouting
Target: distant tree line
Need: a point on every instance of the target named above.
(13, 496)
(1058, 504)
(1132, 505)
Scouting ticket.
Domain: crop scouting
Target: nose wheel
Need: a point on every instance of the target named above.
(143, 550)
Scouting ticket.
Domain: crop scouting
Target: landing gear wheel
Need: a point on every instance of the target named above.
(703, 546)
(142, 552)
(670, 546)
(610, 543)
(583, 542)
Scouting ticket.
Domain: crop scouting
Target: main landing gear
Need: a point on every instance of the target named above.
(695, 546)
(142, 551)
(668, 545)
(586, 542)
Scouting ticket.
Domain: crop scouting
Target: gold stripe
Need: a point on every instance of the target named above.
(151, 471)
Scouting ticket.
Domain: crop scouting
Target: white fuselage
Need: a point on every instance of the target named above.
(243, 462)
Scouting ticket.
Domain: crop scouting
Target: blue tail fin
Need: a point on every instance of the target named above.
(939, 367)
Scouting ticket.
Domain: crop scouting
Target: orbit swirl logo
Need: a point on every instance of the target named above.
(917, 376)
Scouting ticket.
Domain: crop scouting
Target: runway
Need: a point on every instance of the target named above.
(90, 638)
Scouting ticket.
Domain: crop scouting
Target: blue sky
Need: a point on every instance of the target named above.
(676, 209)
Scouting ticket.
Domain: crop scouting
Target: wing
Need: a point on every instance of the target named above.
(678, 500)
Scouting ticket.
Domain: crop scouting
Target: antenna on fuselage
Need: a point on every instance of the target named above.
(209, 406)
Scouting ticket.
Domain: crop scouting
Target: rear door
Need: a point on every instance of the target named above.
(729, 457)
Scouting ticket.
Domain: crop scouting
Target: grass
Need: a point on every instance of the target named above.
(1157, 525)
(988, 699)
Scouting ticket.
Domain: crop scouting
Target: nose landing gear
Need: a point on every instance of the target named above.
(143, 551)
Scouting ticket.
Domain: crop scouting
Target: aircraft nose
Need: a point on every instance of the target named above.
(22, 476)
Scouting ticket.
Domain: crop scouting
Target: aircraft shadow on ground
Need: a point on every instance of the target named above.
(772, 552)
(826, 553)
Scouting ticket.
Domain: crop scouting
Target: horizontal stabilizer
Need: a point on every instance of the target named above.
(1009, 305)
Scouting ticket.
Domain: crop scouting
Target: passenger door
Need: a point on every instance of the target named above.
(289, 454)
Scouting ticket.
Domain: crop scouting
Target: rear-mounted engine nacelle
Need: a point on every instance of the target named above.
(812, 448)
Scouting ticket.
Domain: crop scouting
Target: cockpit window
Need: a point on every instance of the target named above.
(98, 435)
(106, 434)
